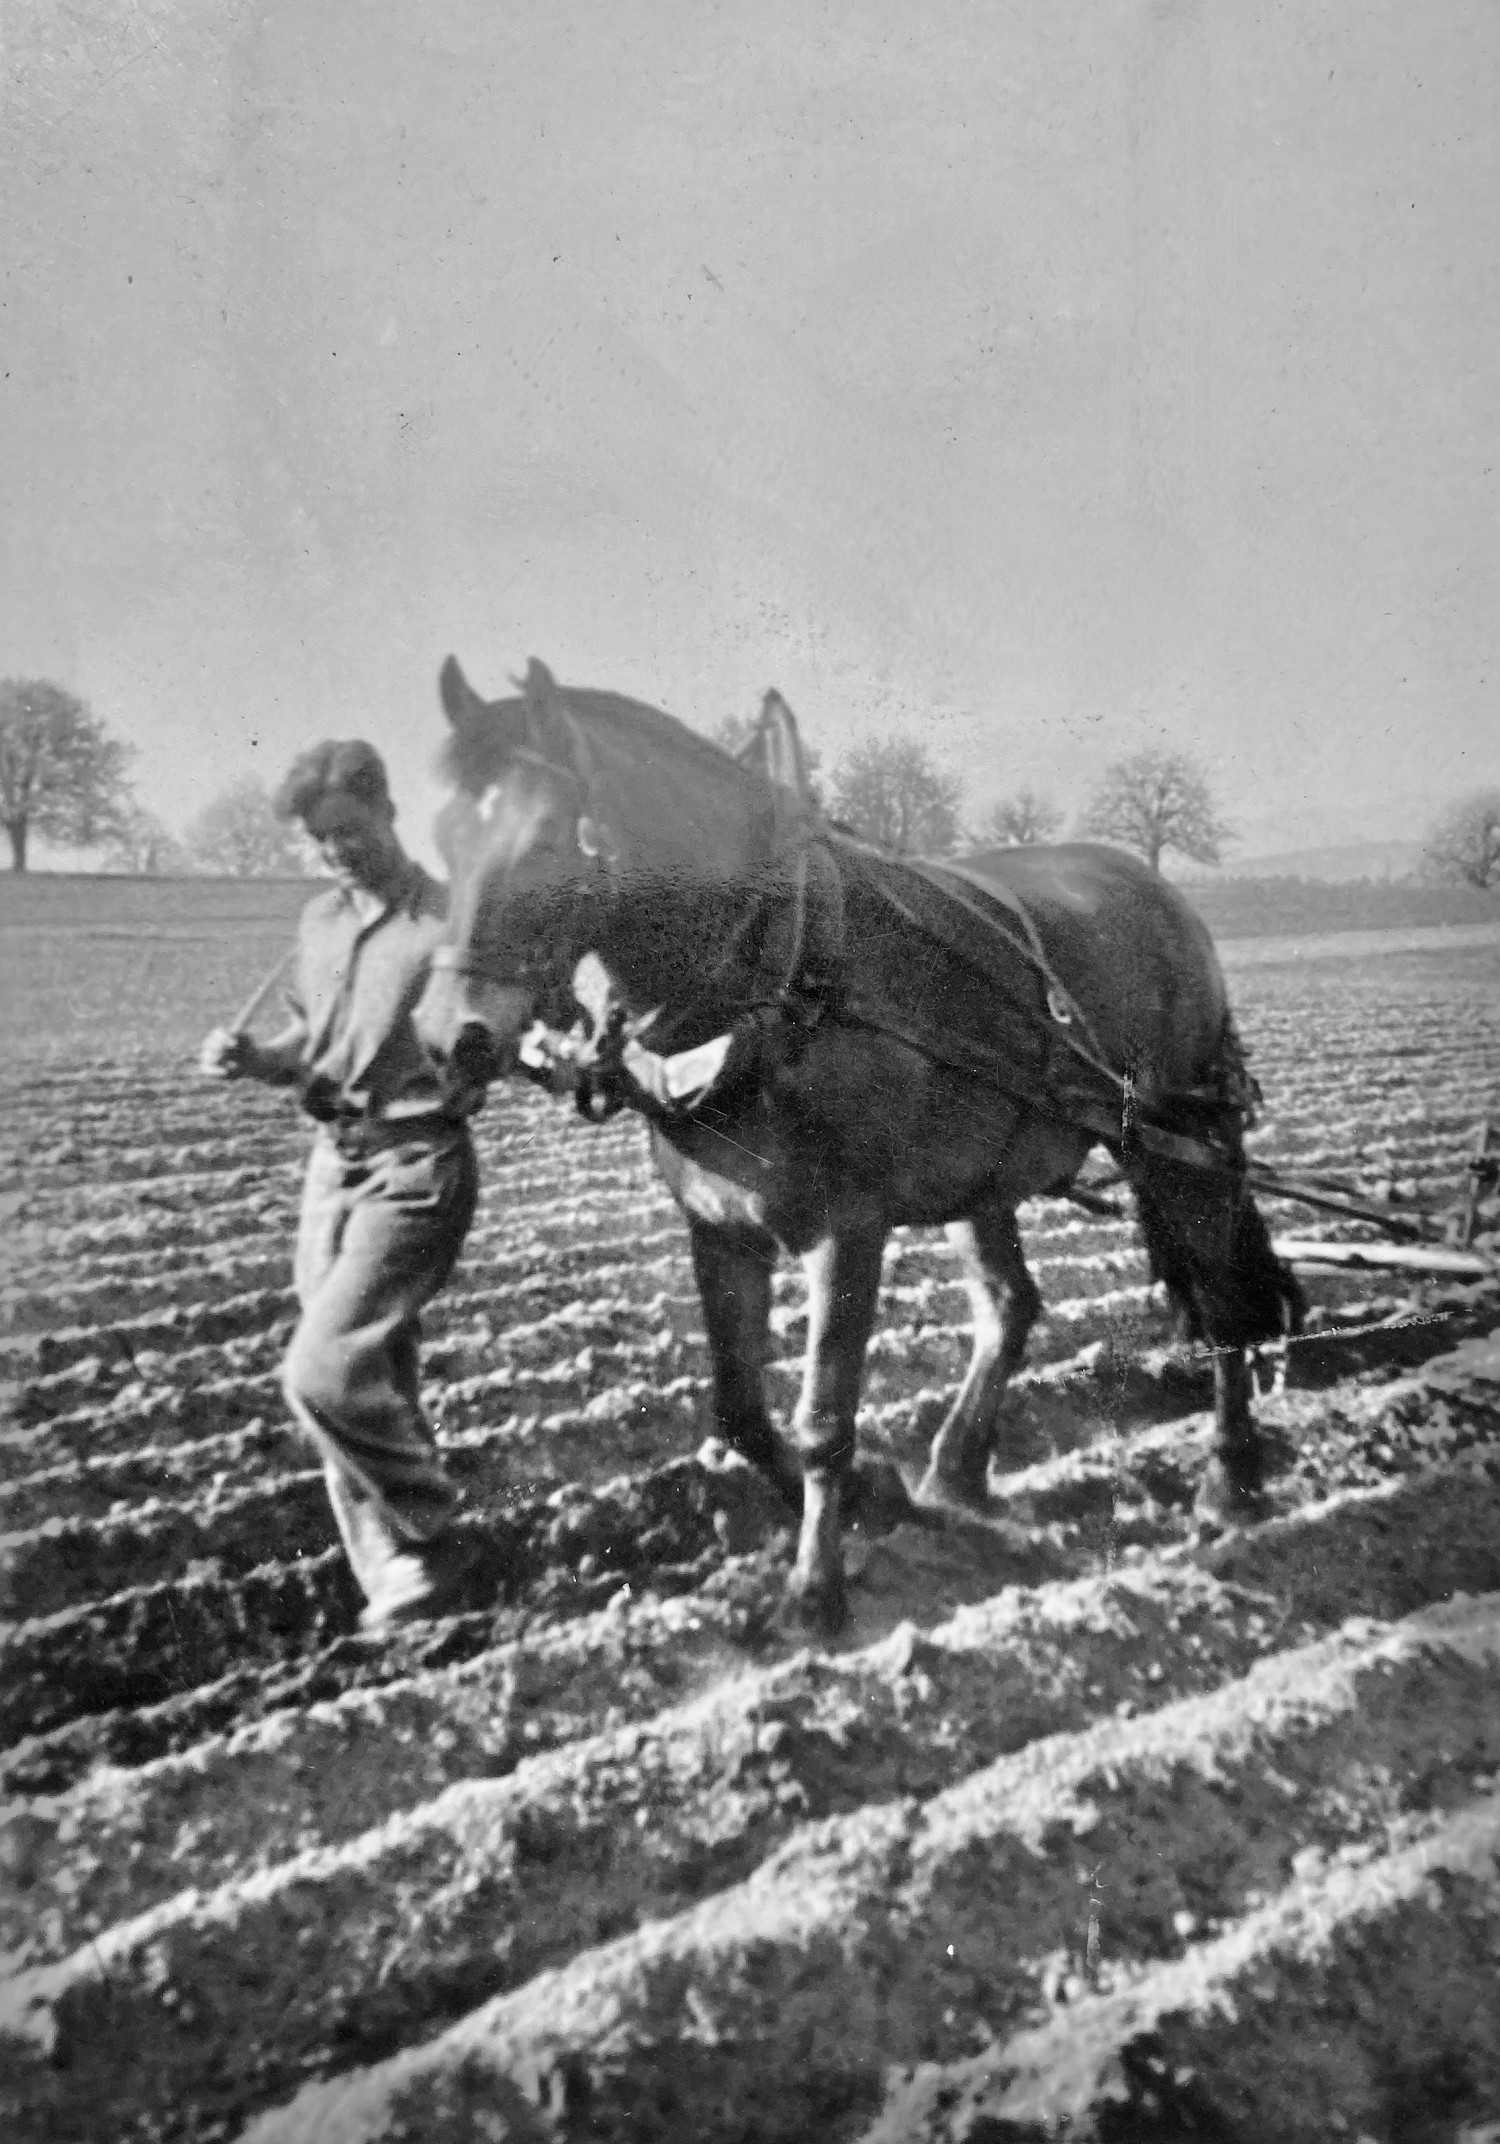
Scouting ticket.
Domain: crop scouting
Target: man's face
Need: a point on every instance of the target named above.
(355, 840)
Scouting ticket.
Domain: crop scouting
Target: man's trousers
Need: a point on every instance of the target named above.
(379, 1235)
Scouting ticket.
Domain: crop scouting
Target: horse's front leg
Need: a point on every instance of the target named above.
(734, 1284)
(843, 1285)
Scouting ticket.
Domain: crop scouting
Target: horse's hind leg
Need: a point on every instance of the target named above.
(1208, 1243)
(1006, 1306)
(734, 1284)
(843, 1286)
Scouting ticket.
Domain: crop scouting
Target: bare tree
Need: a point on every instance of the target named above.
(238, 835)
(142, 846)
(61, 772)
(1158, 800)
(893, 792)
(1017, 821)
(1463, 843)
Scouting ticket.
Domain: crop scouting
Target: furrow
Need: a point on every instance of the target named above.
(142, 1646)
(128, 1837)
(1018, 1666)
(889, 1936)
(100, 1488)
(1359, 2002)
(46, 1571)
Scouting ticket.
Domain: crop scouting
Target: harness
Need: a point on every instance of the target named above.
(613, 1069)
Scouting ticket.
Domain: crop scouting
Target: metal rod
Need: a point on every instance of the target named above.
(1105, 1208)
(1411, 1229)
(1405, 1257)
(261, 992)
(1272, 1186)
(1478, 1173)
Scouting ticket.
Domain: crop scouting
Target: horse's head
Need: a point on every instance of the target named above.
(532, 861)
(582, 822)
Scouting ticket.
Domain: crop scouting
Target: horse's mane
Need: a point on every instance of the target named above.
(468, 757)
(651, 723)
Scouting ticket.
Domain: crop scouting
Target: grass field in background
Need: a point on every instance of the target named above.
(128, 964)
(107, 965)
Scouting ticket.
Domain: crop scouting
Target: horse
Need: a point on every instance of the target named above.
(868, 1042)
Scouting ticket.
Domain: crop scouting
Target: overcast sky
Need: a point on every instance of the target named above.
(1051, 378)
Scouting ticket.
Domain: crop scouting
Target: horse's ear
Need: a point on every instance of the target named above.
(461, 703)
(779, 754)
(538, 684)
(541, 702)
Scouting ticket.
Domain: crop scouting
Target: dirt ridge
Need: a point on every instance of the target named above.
(1099, 1817)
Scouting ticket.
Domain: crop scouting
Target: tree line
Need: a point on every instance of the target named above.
(895, 792)
(64, 777)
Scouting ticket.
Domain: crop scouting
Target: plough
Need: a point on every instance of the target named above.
(1417, 1249)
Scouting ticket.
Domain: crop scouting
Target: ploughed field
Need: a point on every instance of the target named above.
(1098, 1820)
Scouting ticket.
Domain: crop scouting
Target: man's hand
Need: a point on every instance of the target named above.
(229, 1054)
(474, 1060)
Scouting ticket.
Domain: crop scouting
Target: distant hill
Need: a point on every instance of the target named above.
(1280, 907)
(1265, 903)
(1378, 860)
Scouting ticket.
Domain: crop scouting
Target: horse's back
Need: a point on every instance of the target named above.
(1128, 945)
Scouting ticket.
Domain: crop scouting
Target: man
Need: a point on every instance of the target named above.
(390, 1187)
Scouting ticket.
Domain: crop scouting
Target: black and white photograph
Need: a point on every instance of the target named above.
(750, 1072)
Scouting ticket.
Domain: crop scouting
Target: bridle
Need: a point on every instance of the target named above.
(604, 861)
(551, 973)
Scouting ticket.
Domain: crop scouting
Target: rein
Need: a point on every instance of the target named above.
(613, 1084)
(1061, 1003)
(604, 1082)
(760, 904)
(601, 1076)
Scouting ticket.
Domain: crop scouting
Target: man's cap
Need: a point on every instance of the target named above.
(336, 767)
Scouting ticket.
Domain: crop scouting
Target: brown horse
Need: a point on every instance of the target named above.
(907, 1045)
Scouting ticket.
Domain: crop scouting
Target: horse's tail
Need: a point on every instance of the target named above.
(1268, 1291)
(1238, 1088)
(1206, 1239)
(1207, 1242)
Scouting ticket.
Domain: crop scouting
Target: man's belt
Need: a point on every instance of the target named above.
(358, 1136)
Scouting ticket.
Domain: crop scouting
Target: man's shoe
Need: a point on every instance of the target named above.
(424, 1586)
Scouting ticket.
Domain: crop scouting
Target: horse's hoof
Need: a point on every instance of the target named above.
(1231, 1497)
(874, 1497)
(821, 1605)
(965, 1491)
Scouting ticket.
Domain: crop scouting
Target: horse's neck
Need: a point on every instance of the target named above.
(693, 847)
(674, 939)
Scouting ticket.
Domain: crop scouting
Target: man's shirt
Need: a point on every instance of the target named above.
(358, 980)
